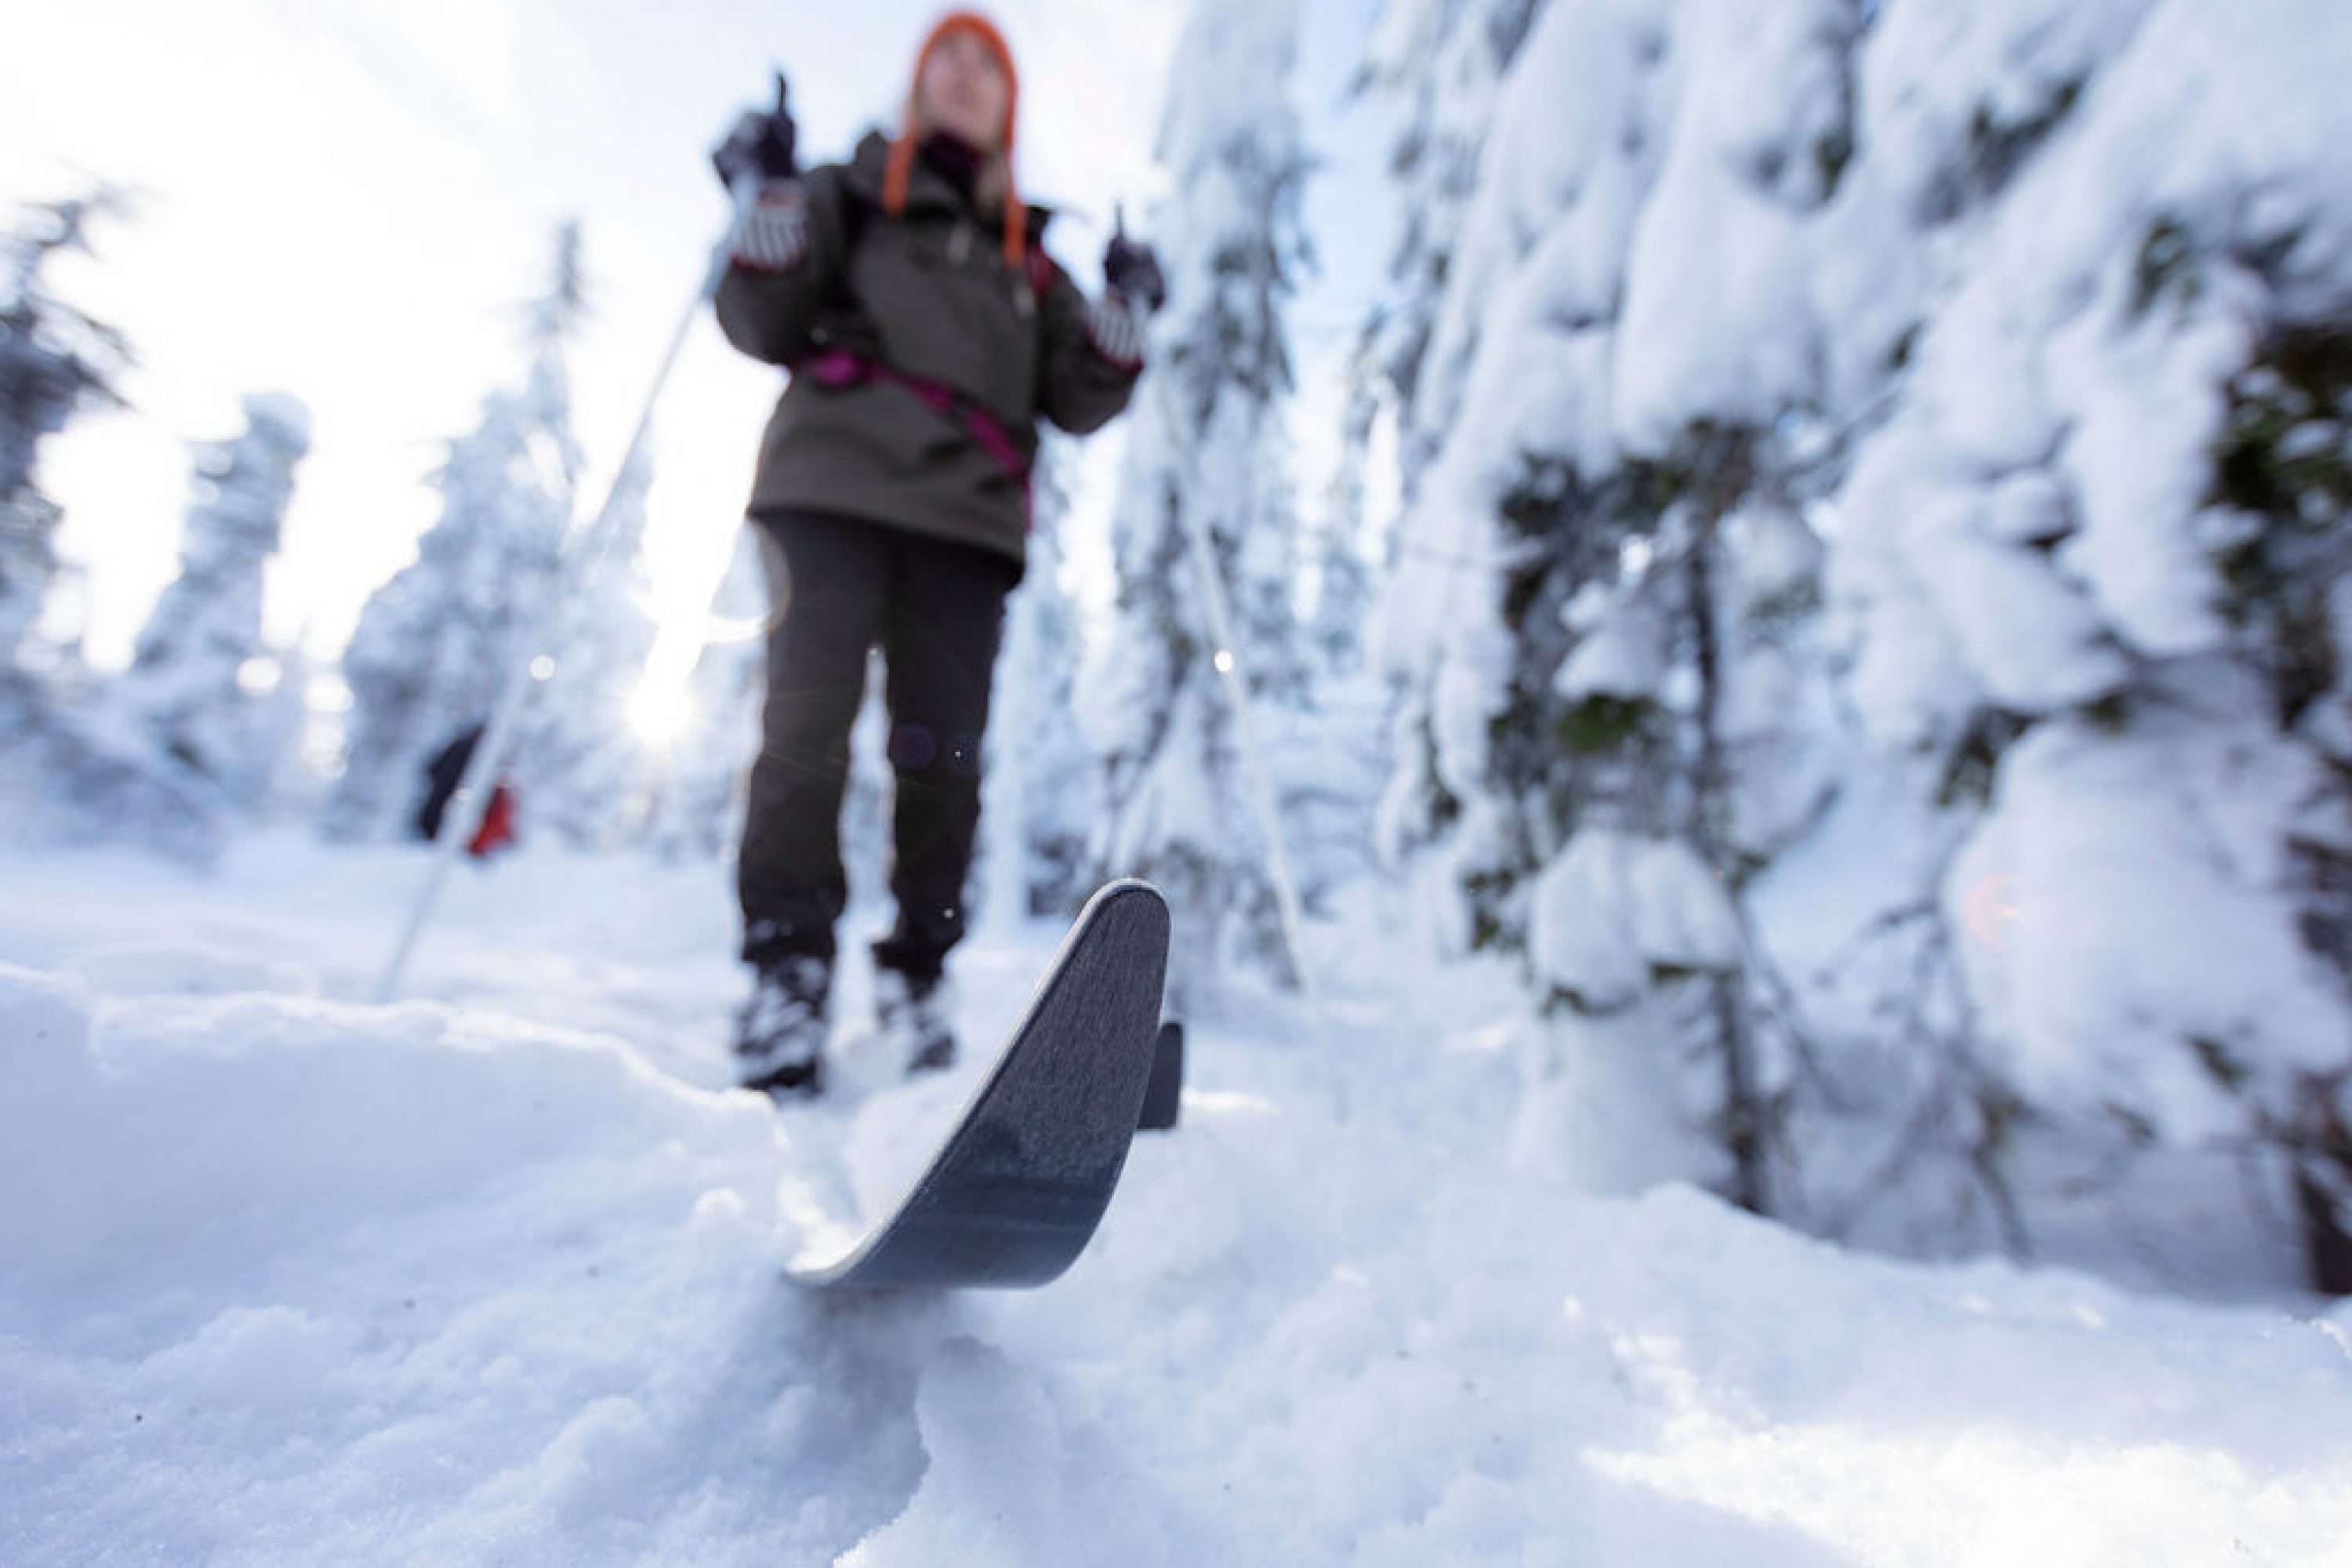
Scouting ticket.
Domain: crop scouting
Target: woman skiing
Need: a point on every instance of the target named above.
(928, 334)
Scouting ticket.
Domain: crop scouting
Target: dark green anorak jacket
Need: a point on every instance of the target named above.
(929, 295)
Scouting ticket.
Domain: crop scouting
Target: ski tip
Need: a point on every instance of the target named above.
(1118, 886)
(1131, 895)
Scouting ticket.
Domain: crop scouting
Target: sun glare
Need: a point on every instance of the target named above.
(659, 714)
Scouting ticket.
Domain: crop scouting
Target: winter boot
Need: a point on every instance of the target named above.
(912, 1013)
(780, 1032)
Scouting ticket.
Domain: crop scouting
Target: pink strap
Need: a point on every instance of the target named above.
(837, 369)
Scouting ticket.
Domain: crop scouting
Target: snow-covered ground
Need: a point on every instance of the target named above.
(493, 1275)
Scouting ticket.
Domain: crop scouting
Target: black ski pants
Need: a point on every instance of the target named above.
(839, 587)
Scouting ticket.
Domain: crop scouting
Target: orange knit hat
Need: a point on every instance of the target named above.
(902, 149)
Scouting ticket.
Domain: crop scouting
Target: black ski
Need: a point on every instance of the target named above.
(1019, 1184)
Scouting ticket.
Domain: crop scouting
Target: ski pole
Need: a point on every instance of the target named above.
(1226, 659)
(463, 818)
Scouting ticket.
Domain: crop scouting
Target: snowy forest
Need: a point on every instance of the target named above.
(1788, 784)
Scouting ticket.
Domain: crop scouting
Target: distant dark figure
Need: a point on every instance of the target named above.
(443, 775)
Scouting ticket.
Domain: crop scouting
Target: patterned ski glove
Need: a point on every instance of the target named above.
(1131, 279)
(1111, 328)
(761, 153)
(773, 234)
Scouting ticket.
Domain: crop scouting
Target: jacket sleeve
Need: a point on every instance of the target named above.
(1087, 365)
(770, 315)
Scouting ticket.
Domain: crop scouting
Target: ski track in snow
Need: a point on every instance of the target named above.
(493, 1275)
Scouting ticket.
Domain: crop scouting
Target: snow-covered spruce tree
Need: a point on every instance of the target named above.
(69, 766)
(55, 363)
(1329, 753)
(286, 731)
(702, 771)
(1340, 616)
(435, 644)
(1038, 805)
(1204, 454)
(2028, 306)
(191, 681)
(578, 761)
(1598, 700)
(2110, 550)
(1435, 67)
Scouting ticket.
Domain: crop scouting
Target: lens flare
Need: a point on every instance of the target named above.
(259, 677)
(1990, 910)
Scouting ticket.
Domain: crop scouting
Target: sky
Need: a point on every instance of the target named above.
(351, 200)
